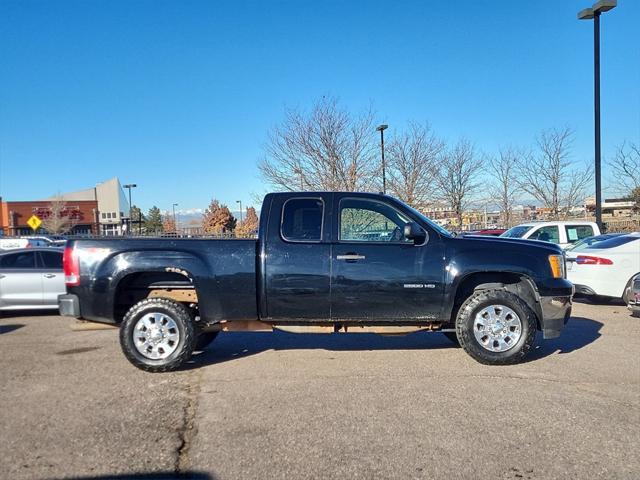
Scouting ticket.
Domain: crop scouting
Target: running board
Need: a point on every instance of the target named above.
(259, 326)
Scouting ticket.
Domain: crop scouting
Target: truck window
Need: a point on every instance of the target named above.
(370, 221)
(578, 232)
(302, 220)
(547, 234)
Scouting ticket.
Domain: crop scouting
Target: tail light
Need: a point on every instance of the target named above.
(588, 260)
(71, 267)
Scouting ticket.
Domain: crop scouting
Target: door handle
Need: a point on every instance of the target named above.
(49, 275)
(350, 257)
(1, 276)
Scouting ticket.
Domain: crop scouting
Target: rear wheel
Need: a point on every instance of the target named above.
(496, 327)
(158, 335)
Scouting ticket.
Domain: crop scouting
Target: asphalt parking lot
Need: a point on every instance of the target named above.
(262, 405)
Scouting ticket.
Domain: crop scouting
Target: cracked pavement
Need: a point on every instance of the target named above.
(262, 405)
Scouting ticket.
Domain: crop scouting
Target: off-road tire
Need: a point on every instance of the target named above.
(453, 338)
(185, 325)
(204, 339)
(465, 324)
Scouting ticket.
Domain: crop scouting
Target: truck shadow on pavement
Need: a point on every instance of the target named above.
(578, 333)
(10, 327)
(150, 476)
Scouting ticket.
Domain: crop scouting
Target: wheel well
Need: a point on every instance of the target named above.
(516, 283)
(137, 286)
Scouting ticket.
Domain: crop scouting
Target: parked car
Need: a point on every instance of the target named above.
(604, 270)
(563, 233)
(13, 243)
(31, 278)
(588, 241)
(632, 296)
(494, 232)
(316, 268)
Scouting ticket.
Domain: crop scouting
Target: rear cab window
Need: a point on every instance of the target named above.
(302, 220)
(575, 233)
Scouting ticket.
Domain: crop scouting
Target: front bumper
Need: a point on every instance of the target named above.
(69, 305)
(555, 314)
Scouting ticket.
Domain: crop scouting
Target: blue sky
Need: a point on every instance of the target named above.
(178, 96)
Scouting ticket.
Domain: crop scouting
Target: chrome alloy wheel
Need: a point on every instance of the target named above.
(497, 328)
(156, 336)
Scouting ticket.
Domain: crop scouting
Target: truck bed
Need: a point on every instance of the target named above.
(224, 269)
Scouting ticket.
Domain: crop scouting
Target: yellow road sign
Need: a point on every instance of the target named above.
(34, 222)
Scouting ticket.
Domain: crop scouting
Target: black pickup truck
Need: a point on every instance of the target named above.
(322, 262)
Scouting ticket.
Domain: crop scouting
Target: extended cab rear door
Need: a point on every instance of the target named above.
(297, 261)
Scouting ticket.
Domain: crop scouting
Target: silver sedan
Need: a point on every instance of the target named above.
(31, 278)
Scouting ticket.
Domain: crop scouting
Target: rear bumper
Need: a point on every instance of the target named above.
(69, 305)
(555, 314)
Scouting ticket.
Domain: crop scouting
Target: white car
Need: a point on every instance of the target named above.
(604, 270)
(563, 233)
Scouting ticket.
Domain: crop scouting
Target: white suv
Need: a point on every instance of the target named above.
(563, 233)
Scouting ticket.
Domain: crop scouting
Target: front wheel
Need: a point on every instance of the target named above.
(496, 327)
(158, 335)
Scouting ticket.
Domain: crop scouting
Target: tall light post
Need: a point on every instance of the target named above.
(593, 13)
(381, 129)
(129, 186)
(175, 224)
(240, 202)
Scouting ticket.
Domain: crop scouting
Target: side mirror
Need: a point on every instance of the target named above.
(414, 232)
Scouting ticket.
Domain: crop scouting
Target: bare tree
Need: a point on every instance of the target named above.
(550, 176)
(503, 187)
(626, 167)
(328, 149)
(59, 219)
(456, 177)
(412, 165)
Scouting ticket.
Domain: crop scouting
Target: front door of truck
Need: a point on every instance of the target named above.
(298, 259)
(377, 273)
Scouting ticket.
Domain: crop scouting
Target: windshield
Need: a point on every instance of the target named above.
(431, 223)
(587, 242)
(516, 232)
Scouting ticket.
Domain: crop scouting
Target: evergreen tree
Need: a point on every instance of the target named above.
(138, 219)
(249, 226)
(153, 222)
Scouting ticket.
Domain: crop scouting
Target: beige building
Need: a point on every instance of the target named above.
(113, 207)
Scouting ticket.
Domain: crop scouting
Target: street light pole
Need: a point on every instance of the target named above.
(175, 225)
(240, 202)
(593, 13)
(381, 129)
(129, 186)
